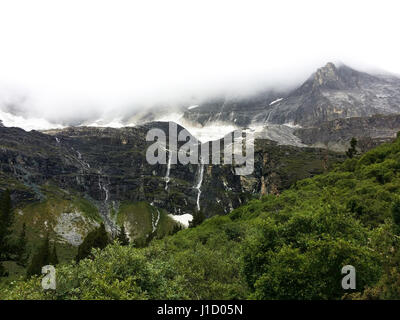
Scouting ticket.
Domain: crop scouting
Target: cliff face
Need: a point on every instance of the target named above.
(238, 110)
(336, 134)
(336, 93)
(66, 182)
(109, 165)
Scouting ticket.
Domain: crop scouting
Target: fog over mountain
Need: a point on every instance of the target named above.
(99, 63)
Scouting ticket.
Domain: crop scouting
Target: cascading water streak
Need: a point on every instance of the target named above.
(199, 182)
(104, 208)
(168, 170)
(154, 221)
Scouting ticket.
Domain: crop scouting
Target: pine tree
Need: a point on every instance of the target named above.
(198, 218)
(3, 272)
(396, 213)
(177, 227)
(97, 238)
(352, 151)
(20, 248)
(40, 259)
(5, 224)
(53, 259)
(122, 238)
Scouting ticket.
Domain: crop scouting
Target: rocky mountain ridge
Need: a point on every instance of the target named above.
(330, 93)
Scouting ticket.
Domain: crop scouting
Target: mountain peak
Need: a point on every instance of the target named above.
(329, 67)
(327, 76)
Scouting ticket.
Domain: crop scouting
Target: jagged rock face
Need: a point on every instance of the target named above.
(330, 93)
(336, 134)
(282, 134)
(108, 166)
(335, 93)
(240, 111)
(1, 124)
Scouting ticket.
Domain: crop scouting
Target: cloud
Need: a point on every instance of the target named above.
(78, 60)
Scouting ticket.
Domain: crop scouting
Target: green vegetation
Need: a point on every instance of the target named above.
(290, 246)
(198, 218)
(60, 216)
(20, 248)
(122, 238)
(5, 227)
(97, 238)
(352, 151)
(138, 220)
(5, 222)
(53, 260)
(40, 259)
(58, 209)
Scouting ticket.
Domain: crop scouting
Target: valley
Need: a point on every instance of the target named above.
(67, 184)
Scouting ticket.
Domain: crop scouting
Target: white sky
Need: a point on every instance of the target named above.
(76, 57)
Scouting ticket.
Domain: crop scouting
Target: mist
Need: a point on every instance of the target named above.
(76, 62)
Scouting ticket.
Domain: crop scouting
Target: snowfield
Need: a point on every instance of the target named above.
(183, 219)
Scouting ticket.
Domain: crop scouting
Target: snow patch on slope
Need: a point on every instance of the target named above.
(10, 120)
(115, 123)
(275, 101)
(210, 132)
(183, 219)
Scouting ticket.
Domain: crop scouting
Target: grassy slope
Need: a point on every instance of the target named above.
(41, 217)
(138, 219)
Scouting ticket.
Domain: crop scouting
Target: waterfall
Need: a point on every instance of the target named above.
(199, 182)
(106, 191)
(104, 209)
(168, 170)
(269, 115)
(154, 222)
(103, 187)
(81, 160)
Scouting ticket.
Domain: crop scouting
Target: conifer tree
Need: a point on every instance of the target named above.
(396, 213)
(352, 151)
(198, 218)
(53, 260)
(5, 224)
(177, 227)
(40, 259)
(97, 238)
(122, 238)
(20, 248)
(3, 272)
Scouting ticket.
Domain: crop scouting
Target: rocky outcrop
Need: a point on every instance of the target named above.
(336, 134)
(239, 110)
